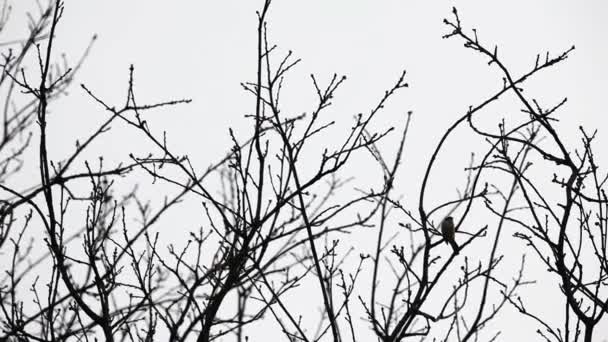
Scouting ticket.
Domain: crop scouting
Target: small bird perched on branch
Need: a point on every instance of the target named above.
(449, 232)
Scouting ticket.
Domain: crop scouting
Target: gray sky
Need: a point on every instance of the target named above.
(203, 49)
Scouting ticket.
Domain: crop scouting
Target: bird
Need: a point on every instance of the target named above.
(448, 231)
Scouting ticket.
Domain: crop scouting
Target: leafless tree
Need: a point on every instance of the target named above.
(270, 217)
(568, 236)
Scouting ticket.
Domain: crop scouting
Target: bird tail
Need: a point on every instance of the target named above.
(454, 246)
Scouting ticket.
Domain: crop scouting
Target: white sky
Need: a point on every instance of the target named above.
(204, 49)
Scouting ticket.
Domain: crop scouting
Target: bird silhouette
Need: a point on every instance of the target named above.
(449, 233)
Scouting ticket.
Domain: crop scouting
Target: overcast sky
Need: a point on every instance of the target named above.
(203, 49)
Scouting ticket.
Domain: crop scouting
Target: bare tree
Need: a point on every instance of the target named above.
(271, 215)
(569, 236)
